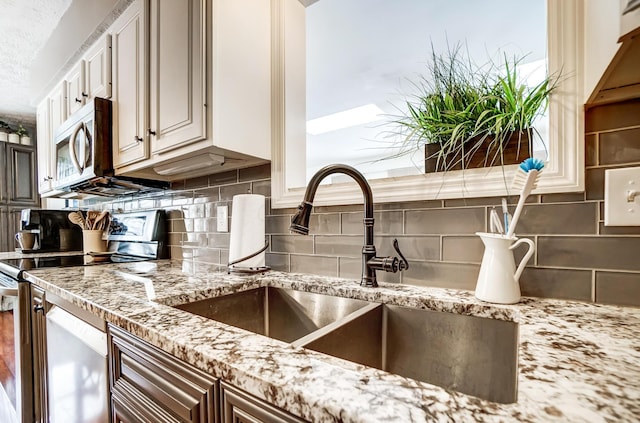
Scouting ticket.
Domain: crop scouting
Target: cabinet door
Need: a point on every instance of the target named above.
(240, 407)
(13, 227)
(97, 66)
(9, 226)
(21, 180)
(130, 144)
(45, 158)
(155, 383)
(177, 52)
(57, 107)
(76, 95)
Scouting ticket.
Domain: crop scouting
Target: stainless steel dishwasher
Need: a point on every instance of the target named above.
(77, 384)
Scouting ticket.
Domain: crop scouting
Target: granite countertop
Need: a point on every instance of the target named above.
(577, 361)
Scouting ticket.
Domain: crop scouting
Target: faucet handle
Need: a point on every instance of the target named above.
(390, 264)
(403, 263)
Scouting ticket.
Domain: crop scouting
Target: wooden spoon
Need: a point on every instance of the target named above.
(91, 218)
(78, 219)
(98, 224)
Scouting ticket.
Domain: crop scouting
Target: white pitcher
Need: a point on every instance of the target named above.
(498, 278)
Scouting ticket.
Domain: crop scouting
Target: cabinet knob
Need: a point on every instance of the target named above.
(137, 138)
(78, 100)
(38, 307)
(150, 132)
(47, 178)
(85, 94)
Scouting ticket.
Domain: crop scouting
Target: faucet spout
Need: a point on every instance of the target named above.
(300, 221)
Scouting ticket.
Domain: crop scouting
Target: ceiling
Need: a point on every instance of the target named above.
(26, 26)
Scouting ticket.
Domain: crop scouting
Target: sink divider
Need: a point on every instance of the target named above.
(307, 339)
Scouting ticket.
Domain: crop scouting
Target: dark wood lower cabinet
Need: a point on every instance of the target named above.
(241, 407)
(149, 385)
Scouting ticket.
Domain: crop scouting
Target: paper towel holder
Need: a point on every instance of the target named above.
(251, 270)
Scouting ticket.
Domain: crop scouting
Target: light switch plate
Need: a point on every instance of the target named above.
(222, 218)
(621, 205)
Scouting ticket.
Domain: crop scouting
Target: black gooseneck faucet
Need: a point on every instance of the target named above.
(370, 263)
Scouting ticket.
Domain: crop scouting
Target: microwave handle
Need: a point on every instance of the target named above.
(72, 147)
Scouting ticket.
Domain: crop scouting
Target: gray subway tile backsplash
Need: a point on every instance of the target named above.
(619, 147)
(577, 258)
(255, 173)
(618, 288)
(319, 265)
(297, 244)
(339, 245)
(456, 221)
(442, 275)
(597, 252)
(277, 261)
(228, 191)
(277, 224)
(417, 247)
(566, 284)
(462, 249)
(324, 223)
(569, 218)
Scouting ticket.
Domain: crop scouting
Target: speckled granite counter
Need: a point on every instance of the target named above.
(577, 362)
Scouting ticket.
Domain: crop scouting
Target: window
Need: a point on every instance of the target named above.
(291, 111)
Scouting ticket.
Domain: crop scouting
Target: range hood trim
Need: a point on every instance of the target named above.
(106, 186)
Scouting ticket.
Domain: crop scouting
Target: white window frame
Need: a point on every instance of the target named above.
(563, 173)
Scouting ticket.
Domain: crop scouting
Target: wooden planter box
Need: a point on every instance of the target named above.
(487, 154)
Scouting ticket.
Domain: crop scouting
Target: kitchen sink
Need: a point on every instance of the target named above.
(469, 354)
(473, 355)
(283, 314)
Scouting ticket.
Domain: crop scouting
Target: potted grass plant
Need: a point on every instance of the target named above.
(468, 116)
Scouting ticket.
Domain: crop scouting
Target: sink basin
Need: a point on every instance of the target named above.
(283, 314)
(473, 355)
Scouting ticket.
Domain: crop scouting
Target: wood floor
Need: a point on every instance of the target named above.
(7, 355)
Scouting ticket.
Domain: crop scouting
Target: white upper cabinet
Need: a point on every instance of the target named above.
(75, 88)
(129, 89)
(177, 78)
(57, 107)
(50, 114)
(45, 175)
(97, 69)
(91, 76)
(207, 66)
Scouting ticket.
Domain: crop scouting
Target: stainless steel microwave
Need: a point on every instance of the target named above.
(84, 161)
(83, 145)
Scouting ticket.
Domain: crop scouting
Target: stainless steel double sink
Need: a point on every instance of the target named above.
(472, 355)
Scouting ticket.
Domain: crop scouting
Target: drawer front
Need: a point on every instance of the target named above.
(241, 407)
(177, 387)
(129, 406)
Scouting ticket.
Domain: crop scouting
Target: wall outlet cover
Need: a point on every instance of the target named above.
(622, 197)
(222, 218)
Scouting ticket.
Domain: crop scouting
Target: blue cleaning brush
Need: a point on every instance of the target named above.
(525, 181)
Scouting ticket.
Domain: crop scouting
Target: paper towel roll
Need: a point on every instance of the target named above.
(247, 230)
